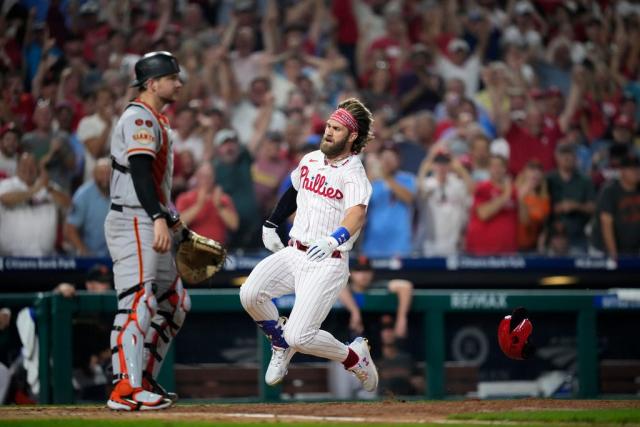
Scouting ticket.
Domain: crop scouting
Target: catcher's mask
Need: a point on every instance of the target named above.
(513, 335)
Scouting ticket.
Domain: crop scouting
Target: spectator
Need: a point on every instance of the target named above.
(398, 372)
(607, 153)
(493, 224)
(51, 149)
(535, 206)
(390, 208)
(462, 63)
(9, 144)
(232, 165)
(353, 297)
(379, 94)
(206, 209)
(617, 222)
(479, 154)
(64, 123)
(257, 110)
(572, 198)
(84, 228)
(94, 131)
(443, 204)
(419, 88)
(268, 171)
(186, 136)
(417, 132)
(29, 206)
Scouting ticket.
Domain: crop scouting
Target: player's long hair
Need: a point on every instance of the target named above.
(364, 118)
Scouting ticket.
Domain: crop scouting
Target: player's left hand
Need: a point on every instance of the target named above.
(322, 249)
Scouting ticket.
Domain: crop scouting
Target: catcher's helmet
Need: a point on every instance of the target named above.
(153, 65)
(513, 335)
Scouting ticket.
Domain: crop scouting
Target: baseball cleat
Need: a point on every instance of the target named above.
(150, 384)
(365, 370)
(279, 364)
(126, 398)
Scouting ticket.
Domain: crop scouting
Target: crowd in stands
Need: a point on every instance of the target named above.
(501, 126)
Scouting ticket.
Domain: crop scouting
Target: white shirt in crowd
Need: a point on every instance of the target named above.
(243, 119)
(443, 211)
(92, 127)
(8, 165)
(193, 143)
(469, 72)
(28, 229)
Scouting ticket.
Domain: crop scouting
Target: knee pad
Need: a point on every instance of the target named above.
(146, 308)
(181, 302)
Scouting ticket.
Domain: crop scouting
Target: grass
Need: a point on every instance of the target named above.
(599, 416)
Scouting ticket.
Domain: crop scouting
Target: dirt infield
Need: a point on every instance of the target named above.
(368, 412)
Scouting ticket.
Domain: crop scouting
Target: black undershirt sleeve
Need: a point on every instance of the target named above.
(140, 167)
(285, 207)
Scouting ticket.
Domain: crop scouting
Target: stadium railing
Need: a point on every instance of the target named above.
(54, 315)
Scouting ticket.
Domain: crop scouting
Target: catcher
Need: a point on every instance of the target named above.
(142, 236)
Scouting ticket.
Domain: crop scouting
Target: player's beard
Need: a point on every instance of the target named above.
(335, 149)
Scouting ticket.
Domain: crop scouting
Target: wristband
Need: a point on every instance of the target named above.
(341, 235)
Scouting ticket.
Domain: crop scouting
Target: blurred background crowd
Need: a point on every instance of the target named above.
(501, 126)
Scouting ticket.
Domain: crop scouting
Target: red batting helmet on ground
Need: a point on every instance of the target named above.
(513, 335)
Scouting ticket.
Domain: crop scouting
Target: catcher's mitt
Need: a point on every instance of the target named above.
(198, 258)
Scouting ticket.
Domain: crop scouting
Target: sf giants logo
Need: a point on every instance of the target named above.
(318, 185)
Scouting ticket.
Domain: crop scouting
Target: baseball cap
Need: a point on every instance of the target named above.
(99, 273)
(457, 44)
(523, 7)
(362, 264)
(624, 121)
(225, 135)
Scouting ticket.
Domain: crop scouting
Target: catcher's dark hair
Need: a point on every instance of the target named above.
(365, 121)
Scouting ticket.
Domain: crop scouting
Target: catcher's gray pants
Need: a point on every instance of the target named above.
(136, 268)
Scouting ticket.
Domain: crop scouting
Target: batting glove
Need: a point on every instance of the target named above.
(270, 237)
(322, 249)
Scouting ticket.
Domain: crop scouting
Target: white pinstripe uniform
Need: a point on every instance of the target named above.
(325, 192)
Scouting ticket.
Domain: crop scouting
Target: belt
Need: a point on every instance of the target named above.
(304, 248)
(116, 207)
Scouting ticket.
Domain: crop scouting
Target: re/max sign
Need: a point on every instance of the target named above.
(478, 300)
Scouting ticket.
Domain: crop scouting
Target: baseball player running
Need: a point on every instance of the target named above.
(152, 302)
(329, 194)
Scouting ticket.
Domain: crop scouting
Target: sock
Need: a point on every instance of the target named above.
(351, 360)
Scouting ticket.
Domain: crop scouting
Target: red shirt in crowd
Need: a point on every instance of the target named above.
(208, 222)
(498, 234)
(524, 146)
